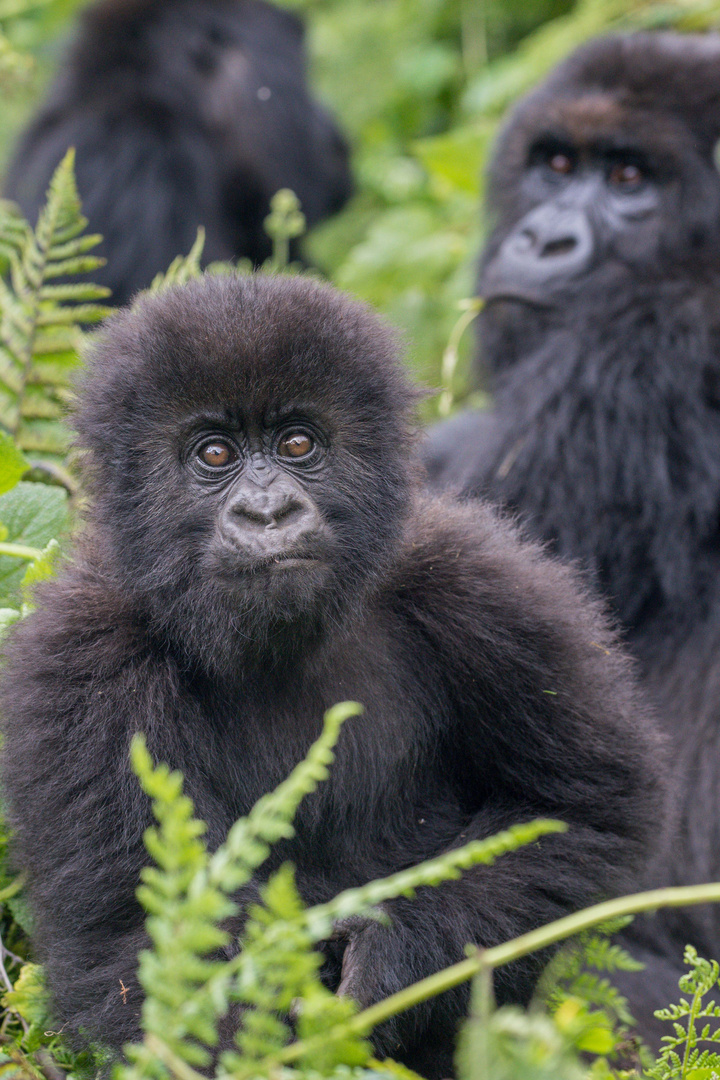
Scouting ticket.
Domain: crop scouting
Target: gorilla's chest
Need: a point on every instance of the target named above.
(388, 800)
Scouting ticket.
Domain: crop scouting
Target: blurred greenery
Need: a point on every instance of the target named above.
(419, 86)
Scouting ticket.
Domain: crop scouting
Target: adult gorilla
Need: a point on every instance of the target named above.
(183, 113)
(602, 336)
(258, 549)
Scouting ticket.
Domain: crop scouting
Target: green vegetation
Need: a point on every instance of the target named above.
(420, 88)
(436, 77)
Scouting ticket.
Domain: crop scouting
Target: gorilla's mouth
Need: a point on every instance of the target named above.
(510, 294)
(286, 562)
(244, 566)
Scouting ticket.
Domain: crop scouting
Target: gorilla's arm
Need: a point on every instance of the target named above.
(452, 447)
(544, 724)
(83, 681)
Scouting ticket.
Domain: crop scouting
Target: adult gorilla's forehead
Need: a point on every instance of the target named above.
(664, 74)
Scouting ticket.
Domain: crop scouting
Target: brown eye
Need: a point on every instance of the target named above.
(626, 176)
(296, 444)
(217, 454)
(561, 164)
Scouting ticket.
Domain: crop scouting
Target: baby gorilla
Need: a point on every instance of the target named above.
(258, 548)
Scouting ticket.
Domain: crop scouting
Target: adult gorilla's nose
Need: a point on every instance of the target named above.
(549, 246)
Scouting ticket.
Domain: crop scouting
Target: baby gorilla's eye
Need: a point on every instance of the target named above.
(626, 176)
(216, 454)
(296, 444)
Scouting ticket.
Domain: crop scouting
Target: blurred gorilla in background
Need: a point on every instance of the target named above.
(601, 333)
(258, 549)
(183, 113)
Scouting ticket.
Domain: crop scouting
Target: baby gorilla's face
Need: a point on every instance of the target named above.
(252, 450)
(254, 482)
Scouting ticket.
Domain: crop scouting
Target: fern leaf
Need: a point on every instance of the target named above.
(183, 268)
(278, 972)
(40, 322)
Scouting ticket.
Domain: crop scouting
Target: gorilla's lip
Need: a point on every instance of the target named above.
(519, 296)
(281, 561)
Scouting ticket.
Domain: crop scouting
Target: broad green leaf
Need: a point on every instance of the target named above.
(28, 997)
(8, 617)
(456, 159)
(33, 514)
(13, 463)
(41, 569)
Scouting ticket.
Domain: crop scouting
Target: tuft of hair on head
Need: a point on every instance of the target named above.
(244, 341)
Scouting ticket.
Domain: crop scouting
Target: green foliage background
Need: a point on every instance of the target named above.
(419, 86)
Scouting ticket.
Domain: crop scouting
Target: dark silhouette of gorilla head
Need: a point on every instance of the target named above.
(601, 336)
(183, 113)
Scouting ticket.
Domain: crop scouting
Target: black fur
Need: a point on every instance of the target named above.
(605, 431)
(183, 113)
(493, 690)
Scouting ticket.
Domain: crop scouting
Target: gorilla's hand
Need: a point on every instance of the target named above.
(380, 958)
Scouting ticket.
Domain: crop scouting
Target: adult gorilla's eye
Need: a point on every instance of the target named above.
(626, 176)
(562, 164)
(296, 444)
(216, 454)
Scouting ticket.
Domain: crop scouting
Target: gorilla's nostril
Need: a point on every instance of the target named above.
(288, 512)
(526, 240)
(561, 246)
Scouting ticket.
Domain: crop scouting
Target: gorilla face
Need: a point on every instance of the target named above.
(229, 454)
(254, 483)
(600, 186)
(589, 204)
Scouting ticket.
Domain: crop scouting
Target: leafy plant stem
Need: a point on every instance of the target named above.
(471, 310)
(694, 1010)
(47, 225)
(177, 1066)
(21, 551)
(500, 955)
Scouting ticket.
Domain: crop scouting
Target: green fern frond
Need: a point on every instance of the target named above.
(446, 867)
(185, 911)
(685, 1055)
(248, 842)
(183, 268)
(187, 897)
(279, 974)
(591, 1011)
(40, 321)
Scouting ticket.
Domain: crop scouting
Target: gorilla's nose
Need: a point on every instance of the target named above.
(273, 508)
(550, 240)
(547, 247)
(267, 522)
